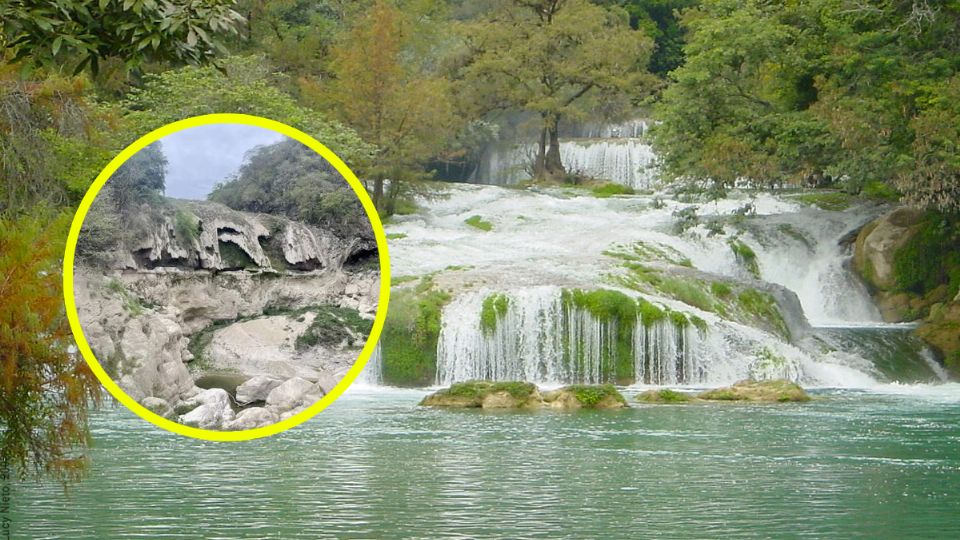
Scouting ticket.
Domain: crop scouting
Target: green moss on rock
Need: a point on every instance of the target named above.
(746, 257)
(478, 222)
(664, 395)
(410, 333)
(774, 391)
(486, 395)
(494, 308)
(586, 396)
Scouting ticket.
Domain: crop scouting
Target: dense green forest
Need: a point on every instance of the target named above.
(860, 95)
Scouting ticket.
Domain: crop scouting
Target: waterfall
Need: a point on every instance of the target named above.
(540, 338)
(372, 374)
(626, 161)
(806, 252)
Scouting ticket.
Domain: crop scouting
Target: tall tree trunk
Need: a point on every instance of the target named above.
(552, 166)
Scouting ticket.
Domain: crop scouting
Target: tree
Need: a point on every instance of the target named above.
(140, 179)
(84, 33)
(658, 19)
(545, 56)
(246, 84)
(46, 388)
(798, 92)
(290, 179)
(395, 104)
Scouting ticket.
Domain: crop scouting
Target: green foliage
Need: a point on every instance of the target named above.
(332, 326)
(590, 395)
(548, 57)
(140, 179)
(658, 19)
(186, 225)
(410, 334)
(644, 251)
(664, 395)
(131, 303)
(478, 222)
(46, 389)
(649, 313)
(610, 189)
(746, 257)
(605, 305)
(389, 97)
(83, 34)
(762, 308)
(719, 288)
(290, 179)
(396, 236)
(811, 92)
(480, 389)
(494, 308)
(931, 257)
(880, 190)
(245, 85)
(836, 201)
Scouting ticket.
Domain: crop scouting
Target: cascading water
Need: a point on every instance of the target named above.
(613, 152)
(372, 374)
(806, 253)
(539, 337)
(544, 241)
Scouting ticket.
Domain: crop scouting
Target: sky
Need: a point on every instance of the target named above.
(198, 158)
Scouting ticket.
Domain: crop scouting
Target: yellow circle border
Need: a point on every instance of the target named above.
(209, 434)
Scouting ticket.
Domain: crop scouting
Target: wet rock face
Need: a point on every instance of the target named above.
(878, 242)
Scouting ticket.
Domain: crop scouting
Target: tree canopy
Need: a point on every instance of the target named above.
(793, 92)
(545, 56)
(83, 33)
(290, 179)
(396, 104)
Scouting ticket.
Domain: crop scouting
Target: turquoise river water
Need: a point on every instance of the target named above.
(851, 464)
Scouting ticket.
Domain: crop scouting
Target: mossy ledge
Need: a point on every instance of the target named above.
(410, 334)
(524, 395)
(771, 391)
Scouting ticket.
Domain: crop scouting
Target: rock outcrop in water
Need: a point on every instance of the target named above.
(222, 319)
(523, 395)
(775, 391)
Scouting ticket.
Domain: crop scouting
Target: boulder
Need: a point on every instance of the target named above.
(326, 382)
(879, 241)
(774, 391)
(158, 406)
(256, 389)
(289, 394)
(251, 418)
(486, 395)
(585, 396)
(213, 411)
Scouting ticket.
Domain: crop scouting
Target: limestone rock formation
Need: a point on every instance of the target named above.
(203, 313)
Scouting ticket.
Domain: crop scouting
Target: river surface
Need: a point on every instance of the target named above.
(851, 464)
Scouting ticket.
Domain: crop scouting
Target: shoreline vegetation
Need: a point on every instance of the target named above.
(843, 102)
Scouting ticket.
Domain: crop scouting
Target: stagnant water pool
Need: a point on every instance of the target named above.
(878, 464)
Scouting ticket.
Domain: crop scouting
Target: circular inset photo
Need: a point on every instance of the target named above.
(226, 277)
